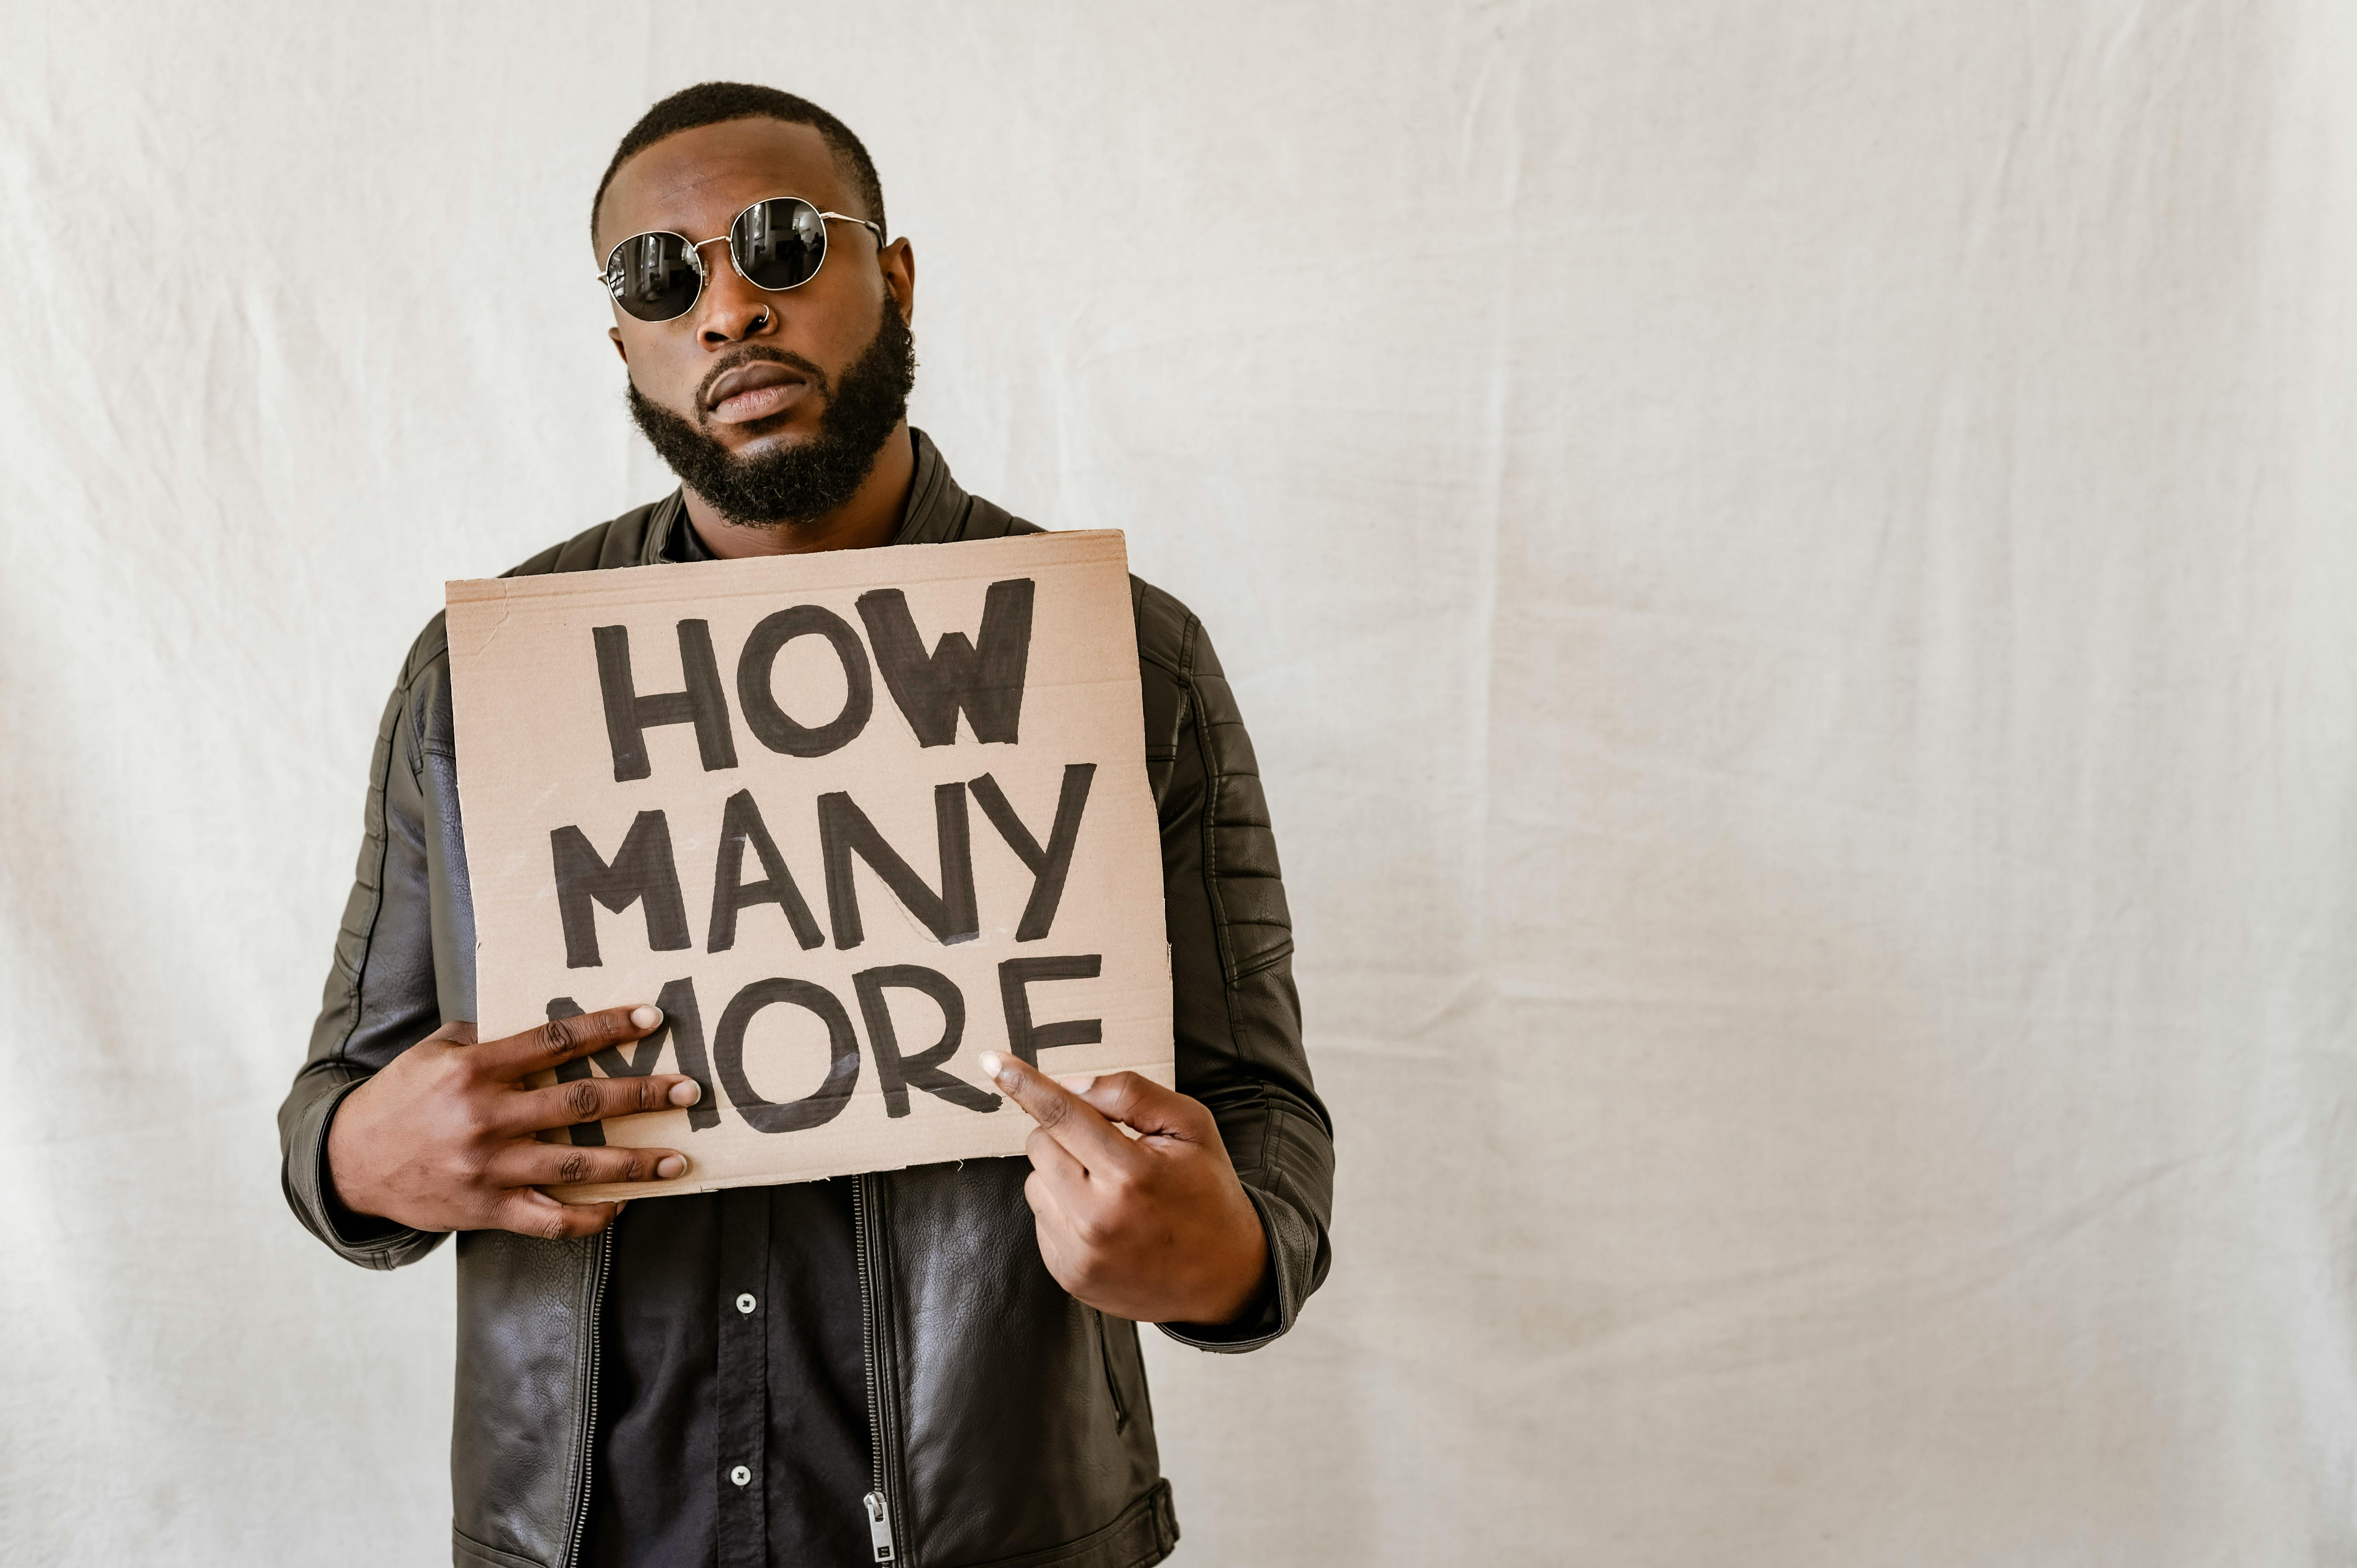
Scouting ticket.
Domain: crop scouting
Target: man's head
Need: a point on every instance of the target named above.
(771, 406)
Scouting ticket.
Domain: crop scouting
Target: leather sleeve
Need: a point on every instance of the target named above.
(1235, 1016)
(380, 995)
(397, 974)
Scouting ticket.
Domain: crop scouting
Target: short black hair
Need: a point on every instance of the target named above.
(710, 103)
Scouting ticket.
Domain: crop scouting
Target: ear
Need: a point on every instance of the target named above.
(615, 334)
(898, 261)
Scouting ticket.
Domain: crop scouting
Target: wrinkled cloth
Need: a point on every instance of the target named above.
(1790, 568)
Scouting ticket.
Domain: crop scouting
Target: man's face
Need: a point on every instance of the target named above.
(737, 393)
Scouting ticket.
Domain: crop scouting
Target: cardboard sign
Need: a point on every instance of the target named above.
(850, 819)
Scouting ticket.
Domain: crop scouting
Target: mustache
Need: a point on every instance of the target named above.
(749, 353)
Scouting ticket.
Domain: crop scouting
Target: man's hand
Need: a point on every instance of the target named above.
(1157, 1229)
(443, 1138)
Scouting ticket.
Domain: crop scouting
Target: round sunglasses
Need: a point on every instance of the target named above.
(775, 245)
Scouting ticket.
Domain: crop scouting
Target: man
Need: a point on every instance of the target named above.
(936, 1365)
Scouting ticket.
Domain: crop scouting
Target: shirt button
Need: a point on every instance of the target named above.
(745, 1304)
(740, 1475)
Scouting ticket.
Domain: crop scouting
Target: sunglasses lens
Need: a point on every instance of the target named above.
(779, 244)
(654, 276)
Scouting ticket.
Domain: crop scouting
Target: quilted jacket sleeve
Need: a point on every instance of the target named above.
(1235, 1016)
(396, 976)
(380, 996)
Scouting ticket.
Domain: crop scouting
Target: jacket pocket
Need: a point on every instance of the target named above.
(1146, 1532)
(1112, 1379)
(465, 1552)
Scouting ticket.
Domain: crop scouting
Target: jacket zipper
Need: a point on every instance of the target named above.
(877, 1503)
(589, 1406)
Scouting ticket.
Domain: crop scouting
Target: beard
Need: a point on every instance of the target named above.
(783, 486)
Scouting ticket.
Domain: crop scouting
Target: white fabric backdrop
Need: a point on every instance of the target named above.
(1789, 565)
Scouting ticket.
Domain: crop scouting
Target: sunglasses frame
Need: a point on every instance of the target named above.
(694, 253)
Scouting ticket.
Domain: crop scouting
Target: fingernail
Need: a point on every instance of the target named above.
(687, 1093)
(669, 1166)
(646, 1018)
(1079, 1083)
(995, 1065)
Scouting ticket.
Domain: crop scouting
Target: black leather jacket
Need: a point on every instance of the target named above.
(1012, 1422)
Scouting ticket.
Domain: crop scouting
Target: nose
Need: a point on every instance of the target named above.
(732, 309)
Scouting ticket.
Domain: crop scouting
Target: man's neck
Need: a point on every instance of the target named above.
(871, 516)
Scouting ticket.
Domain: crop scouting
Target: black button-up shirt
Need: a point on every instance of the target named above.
(731, 1348)
(732, 1399)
